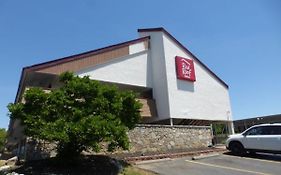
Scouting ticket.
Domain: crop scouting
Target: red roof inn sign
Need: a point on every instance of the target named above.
(185, 69)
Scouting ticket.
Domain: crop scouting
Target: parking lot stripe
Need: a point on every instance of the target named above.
(270, 161)
(224, 167)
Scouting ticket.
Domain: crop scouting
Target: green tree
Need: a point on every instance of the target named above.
(219, 128)
(3, 135)
(79, 115)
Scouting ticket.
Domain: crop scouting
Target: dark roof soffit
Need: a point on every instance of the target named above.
(161, 29)
(82, 55)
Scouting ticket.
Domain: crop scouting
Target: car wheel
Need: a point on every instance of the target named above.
(237, 148)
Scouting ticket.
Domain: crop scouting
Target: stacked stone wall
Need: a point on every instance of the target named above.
(143, 139)
(150, 138)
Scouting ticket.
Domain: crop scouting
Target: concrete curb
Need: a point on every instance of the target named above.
(172, 155)
(152, 161)
(204, 156)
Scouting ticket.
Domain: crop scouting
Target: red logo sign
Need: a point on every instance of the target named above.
(185, 69)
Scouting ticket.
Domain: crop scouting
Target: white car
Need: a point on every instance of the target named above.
(258, 138)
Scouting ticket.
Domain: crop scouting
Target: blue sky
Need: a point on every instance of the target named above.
(238, 40)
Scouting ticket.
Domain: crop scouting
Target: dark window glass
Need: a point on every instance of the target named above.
(272, 130)
(278, 130)
(265, 130)
(255, 131)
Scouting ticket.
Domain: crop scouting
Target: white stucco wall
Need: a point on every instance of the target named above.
(206, 98)
(159, 75)
(137, 47)
(133, 69)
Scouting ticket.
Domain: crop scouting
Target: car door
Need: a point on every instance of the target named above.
(251, 138)
(263, 138)
(277, 146)
(271, 138)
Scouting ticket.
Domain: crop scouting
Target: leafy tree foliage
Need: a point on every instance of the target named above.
(3, 135)
(219, 128)
(79, 115)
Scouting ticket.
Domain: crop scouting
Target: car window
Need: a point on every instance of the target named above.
(255, 131)
(278, 129)
(273, 130)
(265, 130)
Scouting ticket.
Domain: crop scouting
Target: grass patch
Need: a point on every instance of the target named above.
(130, 170)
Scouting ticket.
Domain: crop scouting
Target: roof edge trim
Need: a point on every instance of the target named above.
(20, 85)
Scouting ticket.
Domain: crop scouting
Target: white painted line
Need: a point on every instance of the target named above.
(225, 167)
(261, 160)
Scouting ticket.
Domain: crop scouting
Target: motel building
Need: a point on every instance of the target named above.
(174, 86)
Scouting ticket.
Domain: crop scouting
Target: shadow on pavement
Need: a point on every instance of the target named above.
(96, 164)
(261, 156)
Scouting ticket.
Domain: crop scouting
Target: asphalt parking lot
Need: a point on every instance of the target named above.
(223, 164)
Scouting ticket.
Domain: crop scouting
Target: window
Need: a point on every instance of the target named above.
(265, 130)
(273, 130)
(255, 131)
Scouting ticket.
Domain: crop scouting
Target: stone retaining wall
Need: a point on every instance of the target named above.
(150, 138)
(143, 138)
